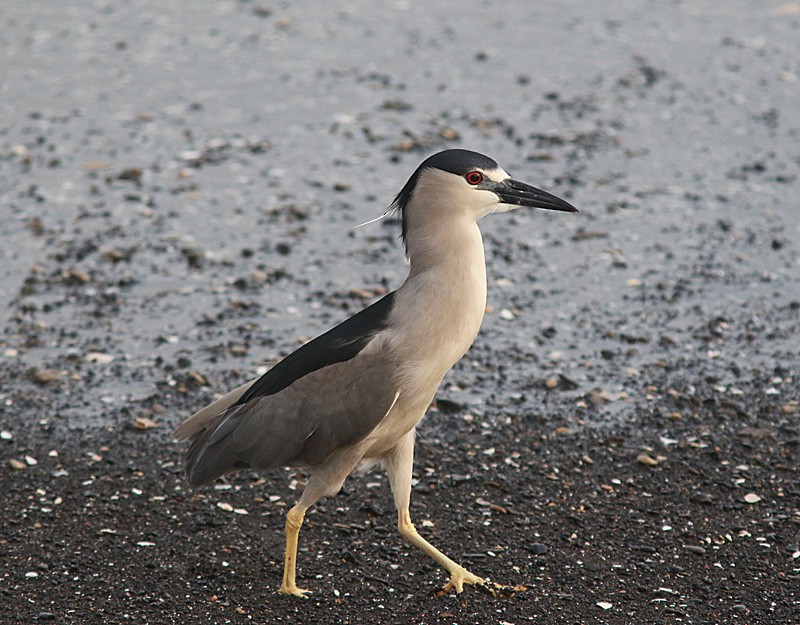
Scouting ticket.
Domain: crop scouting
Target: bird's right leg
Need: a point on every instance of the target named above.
(399, 466)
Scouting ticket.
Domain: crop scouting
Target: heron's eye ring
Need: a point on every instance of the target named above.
(474, 178)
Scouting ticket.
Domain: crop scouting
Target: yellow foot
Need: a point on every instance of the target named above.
(294, 590)
(458, 578)
(461, 576)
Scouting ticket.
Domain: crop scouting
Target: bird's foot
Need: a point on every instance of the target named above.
(461, 576)
(291, 589)
(458, 578)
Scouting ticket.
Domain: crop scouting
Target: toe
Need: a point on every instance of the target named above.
(458, 578)
(295, 591)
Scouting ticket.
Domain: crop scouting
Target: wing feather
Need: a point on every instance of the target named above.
(330, 392)
(301, 425)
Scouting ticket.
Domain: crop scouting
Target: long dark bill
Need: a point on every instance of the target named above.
(513, 191)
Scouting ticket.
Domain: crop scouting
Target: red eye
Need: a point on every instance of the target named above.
(474, 177)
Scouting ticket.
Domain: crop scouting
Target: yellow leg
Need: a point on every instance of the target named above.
(458, 574)
(294, 520)
(398, 465)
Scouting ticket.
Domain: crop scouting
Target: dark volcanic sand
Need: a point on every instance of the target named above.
(178, 189)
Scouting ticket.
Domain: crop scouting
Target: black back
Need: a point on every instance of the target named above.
(338, 344)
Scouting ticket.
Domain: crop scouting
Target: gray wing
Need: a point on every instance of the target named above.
(199, 420)
(301, 425)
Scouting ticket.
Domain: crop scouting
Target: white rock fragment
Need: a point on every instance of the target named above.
(752, 498)
(604, 604)
(99, 357)
(225, 506)
(31, 461)
(6, 435)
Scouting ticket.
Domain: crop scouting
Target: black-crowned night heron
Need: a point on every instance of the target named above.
(352, 397)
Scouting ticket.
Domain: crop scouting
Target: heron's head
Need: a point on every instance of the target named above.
(464, 183)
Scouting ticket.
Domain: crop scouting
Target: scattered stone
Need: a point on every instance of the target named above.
(45, 376)
(362, 294)
(790, 407)
(16, 464)
(75, 277)
(695, 549)
(582, 234)
(752, 498)
(194, 255)
(538, 548)
(649, 461)
(605, 605)
(143, 423)
(99, 357)
(449, 134)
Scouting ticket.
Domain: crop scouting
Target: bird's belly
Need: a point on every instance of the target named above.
(407, 412)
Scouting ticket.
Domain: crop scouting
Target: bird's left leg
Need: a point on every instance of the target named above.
(399, 464)
(326, 481)
(294, 520)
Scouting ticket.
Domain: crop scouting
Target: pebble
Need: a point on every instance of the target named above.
(752, 498)
(99, 357)
(44, 376)
(605, 605)
(16, 464)
(538, 549)
(648, 460)
(6, 435)
(143, 423)
(507, 314)
(695, 549)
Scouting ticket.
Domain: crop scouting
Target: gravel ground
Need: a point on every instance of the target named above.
(179, 188)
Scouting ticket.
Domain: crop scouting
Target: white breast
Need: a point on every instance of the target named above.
(437, 314)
